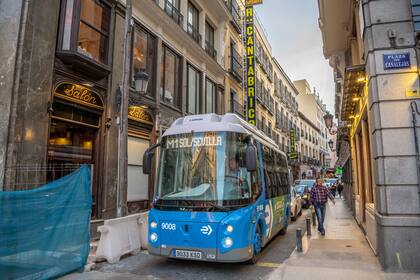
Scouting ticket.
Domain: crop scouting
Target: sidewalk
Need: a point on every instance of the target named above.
(343, 253)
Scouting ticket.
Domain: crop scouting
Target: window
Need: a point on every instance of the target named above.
(210, 40)
(170, 76)
(192, 26)
(94, 30)
(193, 90)
(210, 96)
(171, 7)
(143, 55)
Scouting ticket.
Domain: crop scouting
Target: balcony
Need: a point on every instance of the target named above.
(194, 33)
(236, 65)
(173, 12)
(233, 7)
(211, 50)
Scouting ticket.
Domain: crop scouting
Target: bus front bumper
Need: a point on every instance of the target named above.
(207, 254)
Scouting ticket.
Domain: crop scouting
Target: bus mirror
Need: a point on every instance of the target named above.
(147, 162)
(251, 158)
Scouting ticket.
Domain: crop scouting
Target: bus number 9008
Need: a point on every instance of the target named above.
(168, 226)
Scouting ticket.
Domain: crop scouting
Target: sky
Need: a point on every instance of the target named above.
(296, 41)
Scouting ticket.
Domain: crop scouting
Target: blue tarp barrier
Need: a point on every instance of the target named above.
(44, 232)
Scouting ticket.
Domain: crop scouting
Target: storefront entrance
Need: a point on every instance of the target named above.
(74, 133)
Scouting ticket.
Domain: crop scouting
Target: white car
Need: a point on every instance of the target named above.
(295, 204)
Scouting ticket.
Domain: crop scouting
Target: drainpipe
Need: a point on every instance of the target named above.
(414, 113)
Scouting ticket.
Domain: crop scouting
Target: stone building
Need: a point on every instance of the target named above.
(60, 86)
(372, 47)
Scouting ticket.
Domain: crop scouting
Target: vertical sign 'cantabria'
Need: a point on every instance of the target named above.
(250, 65)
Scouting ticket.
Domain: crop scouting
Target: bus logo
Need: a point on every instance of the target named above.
(206, 230)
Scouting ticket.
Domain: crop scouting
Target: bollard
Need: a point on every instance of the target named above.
(299, 240)
(308, 226)
(313, 219)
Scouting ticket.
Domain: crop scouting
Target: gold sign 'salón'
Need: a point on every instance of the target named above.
(250, 65)
(78, 94)
(138, 114)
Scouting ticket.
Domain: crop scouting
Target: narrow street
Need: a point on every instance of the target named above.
(144, 266)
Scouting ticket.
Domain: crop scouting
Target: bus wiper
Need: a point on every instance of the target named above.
(214, 207)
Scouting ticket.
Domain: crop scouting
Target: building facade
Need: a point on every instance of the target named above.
(373, 49)
(62, 87)
(314, 147)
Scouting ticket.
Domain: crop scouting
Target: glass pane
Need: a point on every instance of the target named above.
(192, 90)
(71, 143)
(416, 10)
(138, 186)
(139, 51)
(92, 44)
(170, 63)
(210, 94)
(97, 15)
(67, 24)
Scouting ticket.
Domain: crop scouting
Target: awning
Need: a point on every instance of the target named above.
(354, 81)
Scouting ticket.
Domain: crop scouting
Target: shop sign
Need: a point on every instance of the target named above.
(293, 153)
(339, 171)
(138, 114)
(78, 94)
(250, 65)
(253, 2)
(396, 61)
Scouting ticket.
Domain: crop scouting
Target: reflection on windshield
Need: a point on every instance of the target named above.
(204, 170)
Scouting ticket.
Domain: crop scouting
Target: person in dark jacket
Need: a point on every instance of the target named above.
(340, 188)
(318, 198)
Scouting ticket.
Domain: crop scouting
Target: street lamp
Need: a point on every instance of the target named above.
(331, 145)
(328, 119)
(141, 80)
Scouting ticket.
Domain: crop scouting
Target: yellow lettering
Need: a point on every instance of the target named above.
(250, 41)
(250, 60)
(251, 91)
(250, 30)
(250, 50)
(249, 12)
(251, 81)
(251, 113)
(251, 71)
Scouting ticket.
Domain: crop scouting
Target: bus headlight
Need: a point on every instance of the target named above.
(229, 228)
(153, 237)
(153, 225)
(227, 242)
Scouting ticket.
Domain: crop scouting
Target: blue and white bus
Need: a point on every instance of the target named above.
(222, 190)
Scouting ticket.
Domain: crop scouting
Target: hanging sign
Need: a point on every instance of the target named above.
(78, 94)
(396, 61)
(293, 154)
(250, 65)
(253, 2)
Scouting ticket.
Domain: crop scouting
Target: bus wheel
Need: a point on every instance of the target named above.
(257, 246)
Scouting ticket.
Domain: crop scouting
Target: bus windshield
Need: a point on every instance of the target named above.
(204, 171)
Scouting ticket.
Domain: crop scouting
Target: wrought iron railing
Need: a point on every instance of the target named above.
(194, 33)
(236, 64)
(173, 12)
(210, 49)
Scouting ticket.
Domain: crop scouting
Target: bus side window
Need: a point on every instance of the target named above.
(256, 180)
(267, 184)
(274, 189)
(286, 183)
(279, 185)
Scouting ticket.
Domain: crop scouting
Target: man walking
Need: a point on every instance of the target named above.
(318, 198)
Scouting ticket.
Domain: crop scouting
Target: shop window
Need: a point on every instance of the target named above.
(193, 90)
(143, 55)
(170, 77)
(138, 183)
(210, 96)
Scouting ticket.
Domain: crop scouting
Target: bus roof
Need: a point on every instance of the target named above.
(212, 122)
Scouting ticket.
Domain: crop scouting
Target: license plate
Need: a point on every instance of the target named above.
(188, 254)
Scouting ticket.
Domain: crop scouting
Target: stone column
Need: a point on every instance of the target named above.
(389, 30)
(10, 32)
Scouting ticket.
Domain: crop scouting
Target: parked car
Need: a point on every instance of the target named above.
(305, 186)
(295, 204)
(303, 191)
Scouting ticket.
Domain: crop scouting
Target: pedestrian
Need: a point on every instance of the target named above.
(333, 189)
(318, 199)
(340, 188)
